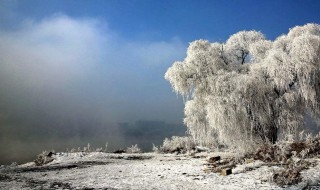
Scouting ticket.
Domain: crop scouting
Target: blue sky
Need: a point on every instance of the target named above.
(186, 19)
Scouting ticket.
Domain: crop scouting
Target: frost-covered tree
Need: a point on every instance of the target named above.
(249, 90)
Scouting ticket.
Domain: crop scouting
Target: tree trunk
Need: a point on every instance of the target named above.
(273, 134)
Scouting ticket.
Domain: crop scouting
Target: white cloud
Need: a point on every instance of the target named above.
(59, 47)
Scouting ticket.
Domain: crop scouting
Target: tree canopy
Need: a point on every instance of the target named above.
(249, 90)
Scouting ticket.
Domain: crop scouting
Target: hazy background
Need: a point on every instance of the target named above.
(65, 82)
(78, 72)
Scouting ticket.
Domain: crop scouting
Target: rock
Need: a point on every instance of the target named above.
(249, 160)
(206, 170)
(178, 150)
(214, 159)
(50, 154)
(120, 151)
(226, 171)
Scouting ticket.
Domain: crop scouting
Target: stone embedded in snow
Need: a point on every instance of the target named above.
(214, 159)
(119, 151)
(50, 154)
(226, 171)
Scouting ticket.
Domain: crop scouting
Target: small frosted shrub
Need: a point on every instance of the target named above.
(106, 147)
(134, 149)
(177, 144)
(155, 148)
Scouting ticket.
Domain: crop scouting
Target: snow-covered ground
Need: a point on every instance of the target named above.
(99, 170)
